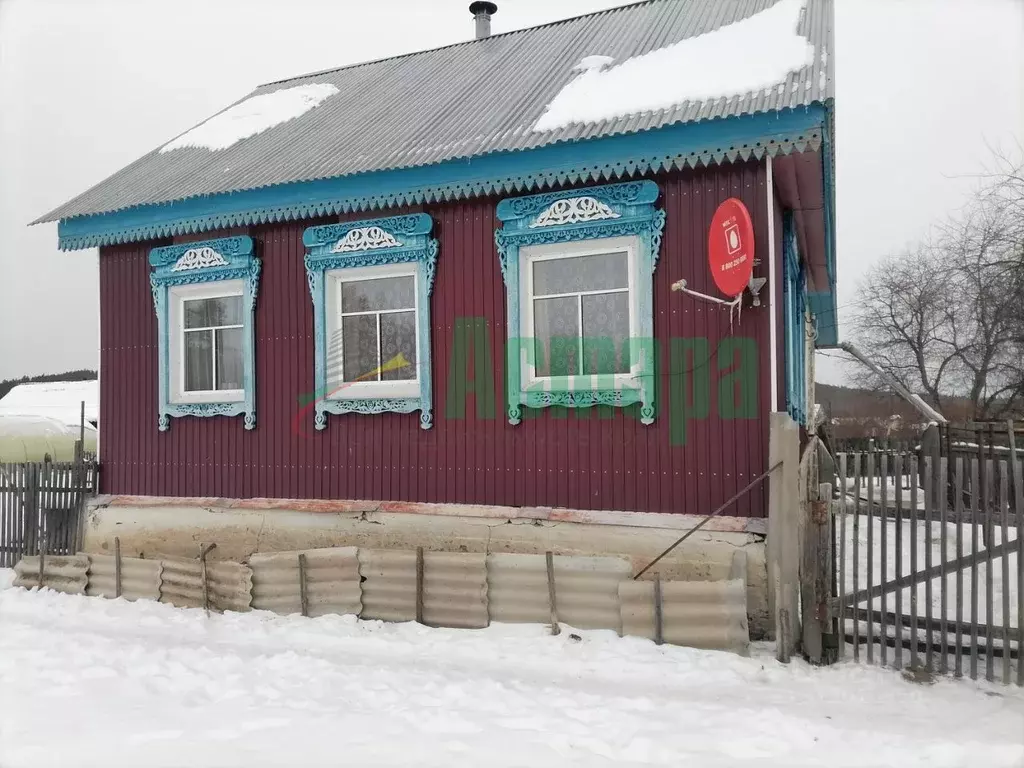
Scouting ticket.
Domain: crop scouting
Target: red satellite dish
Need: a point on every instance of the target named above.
(731, 247)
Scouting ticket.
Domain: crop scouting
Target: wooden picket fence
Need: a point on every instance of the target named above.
(41, 507)
(928, 559)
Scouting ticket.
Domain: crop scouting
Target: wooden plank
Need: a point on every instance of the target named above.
(17, 513)
(857, 457)
(419, 585)
(1018, 495)
(33, 544)
(841, 580)
(942, 486)
(1004, 508)
(304, 591)
(913, 560)
(959, 509)
(883, 631)
(898, 553)
(4, 493)
(929, 505)
(552, 598)
(871, 553)
(975, 505)
(987, 489)
(5, 512)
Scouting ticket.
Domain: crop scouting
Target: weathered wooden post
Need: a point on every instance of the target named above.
(552, 604)
(783, 544)
(303, 587)
(30, 539)
(931, 442)
(204, 575)
(816, 574)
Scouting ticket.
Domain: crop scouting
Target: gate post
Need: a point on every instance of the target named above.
(783, 544)
(816, 574)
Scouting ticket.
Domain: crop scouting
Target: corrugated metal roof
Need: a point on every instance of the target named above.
(463, 100)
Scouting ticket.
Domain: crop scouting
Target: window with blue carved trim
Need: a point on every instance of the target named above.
(370, 282)
(205, 294)
(578, 268)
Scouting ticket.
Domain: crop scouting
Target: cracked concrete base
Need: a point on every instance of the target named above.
(180, 530)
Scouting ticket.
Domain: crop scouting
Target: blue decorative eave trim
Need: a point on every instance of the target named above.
(585, 213)
(207, 261)
(597, 160)
(370, 243)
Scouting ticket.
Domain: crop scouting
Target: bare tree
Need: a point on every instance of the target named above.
(947, 318)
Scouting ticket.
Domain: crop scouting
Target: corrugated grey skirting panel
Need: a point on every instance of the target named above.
(140, 579)
(332, 581)
(698, 614)
(62, 573)
(229, 584)
(586, 589)
(389, 584)
(454, 587)
(455, 590)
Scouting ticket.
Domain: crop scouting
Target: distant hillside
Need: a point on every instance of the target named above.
(853, 402)
(80, 375)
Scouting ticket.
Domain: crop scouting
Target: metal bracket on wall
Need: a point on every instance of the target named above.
(754, 286)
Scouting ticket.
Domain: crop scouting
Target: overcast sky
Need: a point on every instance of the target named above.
(87, 86)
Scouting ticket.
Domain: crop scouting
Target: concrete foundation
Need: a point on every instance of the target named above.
(150, 527)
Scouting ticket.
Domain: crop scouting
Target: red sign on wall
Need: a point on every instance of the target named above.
(731, 247)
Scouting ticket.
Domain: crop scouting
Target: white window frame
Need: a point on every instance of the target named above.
(530, 254)
(361, 390)
(179, 294)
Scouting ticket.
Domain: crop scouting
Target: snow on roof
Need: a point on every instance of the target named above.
(36, 426)
(750, 55)
(59, 400)
(253, 115)
(469, 99)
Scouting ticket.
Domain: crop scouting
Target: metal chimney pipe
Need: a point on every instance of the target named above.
(482, 12)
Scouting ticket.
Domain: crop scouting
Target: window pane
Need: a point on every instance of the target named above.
(605, 333)
(359, 340)
(229, 358)
(382, 293)
(398, 337)
(206, 313)
(600, 272)
(556, 330)
(198, 361)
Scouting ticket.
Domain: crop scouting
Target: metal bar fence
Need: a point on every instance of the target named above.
(939, 539)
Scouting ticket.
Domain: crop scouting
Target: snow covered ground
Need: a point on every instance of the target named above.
(888, 487)
(93, 682)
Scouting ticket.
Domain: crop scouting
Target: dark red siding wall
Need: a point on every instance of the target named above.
(556, 459)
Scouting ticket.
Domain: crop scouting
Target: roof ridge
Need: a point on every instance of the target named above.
(461, 42)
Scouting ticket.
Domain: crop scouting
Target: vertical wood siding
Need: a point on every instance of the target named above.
(555, 459)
